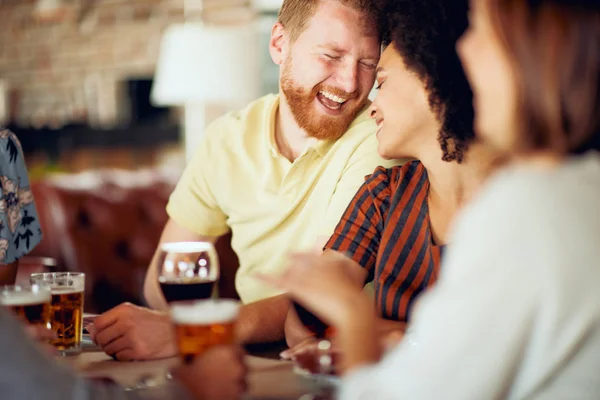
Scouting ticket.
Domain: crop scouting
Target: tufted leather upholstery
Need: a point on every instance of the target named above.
(107, 224)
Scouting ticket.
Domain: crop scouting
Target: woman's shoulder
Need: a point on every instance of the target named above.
(12, 164)
(392, 178)
(537, 188)
(10, 146)
(6, 134)
(545, 201)
(387, 184)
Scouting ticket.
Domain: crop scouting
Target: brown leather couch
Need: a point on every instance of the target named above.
(107, 224)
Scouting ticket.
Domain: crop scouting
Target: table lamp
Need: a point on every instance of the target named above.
(200, 63)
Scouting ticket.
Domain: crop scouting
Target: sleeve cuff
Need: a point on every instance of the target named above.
(203, 230)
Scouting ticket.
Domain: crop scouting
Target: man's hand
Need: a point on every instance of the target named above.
(218, 374)
(128, 332)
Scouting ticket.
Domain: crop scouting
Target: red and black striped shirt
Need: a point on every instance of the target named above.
(386, 230)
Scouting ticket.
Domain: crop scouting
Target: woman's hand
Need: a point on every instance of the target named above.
(308, 345)
(389, 335)
(319, 283)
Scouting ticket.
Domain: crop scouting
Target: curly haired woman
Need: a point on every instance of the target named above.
(395, 229)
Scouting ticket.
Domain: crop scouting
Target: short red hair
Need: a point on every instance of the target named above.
(295, 14)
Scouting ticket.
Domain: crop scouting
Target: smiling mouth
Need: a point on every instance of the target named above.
(330, 100)
(379, 123)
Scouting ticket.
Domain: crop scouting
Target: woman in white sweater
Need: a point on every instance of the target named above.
(516, 311)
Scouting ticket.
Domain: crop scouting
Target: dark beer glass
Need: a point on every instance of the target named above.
(188, 270)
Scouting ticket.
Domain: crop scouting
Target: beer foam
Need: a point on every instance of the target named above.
(204, 312)
(187, 247)
(19, 298)
(61, 282)
(67, 289)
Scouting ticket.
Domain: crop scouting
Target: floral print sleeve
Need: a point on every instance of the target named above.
(20, 229)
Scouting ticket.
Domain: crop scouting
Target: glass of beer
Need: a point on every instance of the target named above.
(66, 308)
(188, 270)
(201, 324)
(29, 303)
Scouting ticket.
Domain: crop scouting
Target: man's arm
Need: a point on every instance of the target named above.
(263, 321)
(8, 273)
(173, 232)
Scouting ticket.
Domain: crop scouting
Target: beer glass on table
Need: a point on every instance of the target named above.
(28, 303)
(187, 270)
(202, 324)
(66, 308)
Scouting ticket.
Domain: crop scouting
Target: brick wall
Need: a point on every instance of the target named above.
(70, 67)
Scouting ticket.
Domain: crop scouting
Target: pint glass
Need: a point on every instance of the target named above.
(29, 303)
(203, 323)
(66, 308)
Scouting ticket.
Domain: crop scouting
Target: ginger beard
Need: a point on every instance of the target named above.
(303, 104)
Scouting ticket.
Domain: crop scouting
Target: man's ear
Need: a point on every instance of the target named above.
(278, 45)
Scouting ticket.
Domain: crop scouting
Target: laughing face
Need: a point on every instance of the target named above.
(328, 72)
(405, 121)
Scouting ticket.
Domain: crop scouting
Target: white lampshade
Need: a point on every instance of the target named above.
(200, 63)
(267, 5)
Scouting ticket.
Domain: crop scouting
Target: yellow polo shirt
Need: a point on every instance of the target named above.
(238, 181)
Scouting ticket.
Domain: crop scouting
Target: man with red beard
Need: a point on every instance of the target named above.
(277, 174)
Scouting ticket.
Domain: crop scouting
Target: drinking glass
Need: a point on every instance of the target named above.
(29, 303)
(202, 324)
(187, 270)
(66, 308)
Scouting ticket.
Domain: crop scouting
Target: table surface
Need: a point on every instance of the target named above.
(267, 379)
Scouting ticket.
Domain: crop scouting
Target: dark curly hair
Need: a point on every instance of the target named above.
(425, 33)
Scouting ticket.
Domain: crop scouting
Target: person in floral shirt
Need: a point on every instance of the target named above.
(20, 229)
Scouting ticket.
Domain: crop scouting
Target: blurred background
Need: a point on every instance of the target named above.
(76, 76)
(109, 98)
